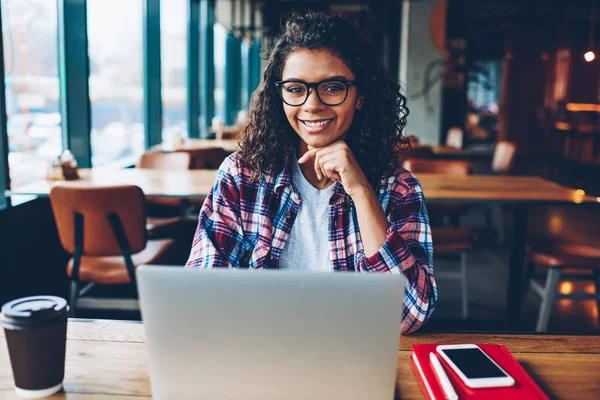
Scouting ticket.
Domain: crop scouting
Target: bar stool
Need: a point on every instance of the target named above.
(554, 256)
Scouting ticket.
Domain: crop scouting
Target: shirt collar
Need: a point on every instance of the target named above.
(284, 178)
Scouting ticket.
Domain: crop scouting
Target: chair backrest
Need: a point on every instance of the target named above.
(165, 160)
(414, 141)
(95, 204)
(448, 167)
(206, 158)
(419, 151)
(415, 151)
(455, 137)
(232, 133)
(505, 155)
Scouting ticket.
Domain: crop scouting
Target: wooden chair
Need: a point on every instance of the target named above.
(455, 137)
(440, 212)
(449, 240)
(205, 158)
(505, 155)
(554, 256)
(169, 161)
(415, 151)
(503, 162)
(104, 228)
(448, 167)
(231, 133)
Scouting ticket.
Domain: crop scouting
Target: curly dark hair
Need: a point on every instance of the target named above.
(375, 136)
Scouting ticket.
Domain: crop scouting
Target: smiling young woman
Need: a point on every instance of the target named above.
(316, 185)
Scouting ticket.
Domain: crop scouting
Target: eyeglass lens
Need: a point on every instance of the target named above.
(329, 92)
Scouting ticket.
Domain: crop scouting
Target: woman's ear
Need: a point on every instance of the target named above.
(359, 103)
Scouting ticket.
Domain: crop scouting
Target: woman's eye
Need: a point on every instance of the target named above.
(295, 89)
(334, 87)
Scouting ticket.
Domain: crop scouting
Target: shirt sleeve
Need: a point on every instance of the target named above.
(408, 249)
(219, 238)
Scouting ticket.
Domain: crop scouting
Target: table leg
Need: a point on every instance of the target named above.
(516, 266)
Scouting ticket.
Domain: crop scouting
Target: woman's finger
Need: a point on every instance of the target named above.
(330, 168)
(326, 158)
(308, 155)
(317, 166)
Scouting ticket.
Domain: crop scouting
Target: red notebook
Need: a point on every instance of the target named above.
(524, 387)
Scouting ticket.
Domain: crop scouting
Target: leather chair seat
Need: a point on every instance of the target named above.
(112, 271)
(549, 253)
(452, 240)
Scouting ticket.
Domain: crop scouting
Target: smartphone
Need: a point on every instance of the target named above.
(473, 366)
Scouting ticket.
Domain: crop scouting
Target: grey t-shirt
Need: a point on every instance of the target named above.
(307, 248)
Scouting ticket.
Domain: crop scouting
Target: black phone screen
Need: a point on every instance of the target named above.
(474, 363)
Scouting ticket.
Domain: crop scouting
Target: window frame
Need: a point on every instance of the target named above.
(152, 74)
(207, 73)
(73, 80)
(4, 172)
(233, 58)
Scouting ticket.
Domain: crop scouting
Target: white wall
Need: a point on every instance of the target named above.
(420, 51)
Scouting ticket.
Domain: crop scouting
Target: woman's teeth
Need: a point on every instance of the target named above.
(317, 123)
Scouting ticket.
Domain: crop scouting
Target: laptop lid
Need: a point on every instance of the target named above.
(242, 334)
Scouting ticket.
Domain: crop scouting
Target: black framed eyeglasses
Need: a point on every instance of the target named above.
(331, 92)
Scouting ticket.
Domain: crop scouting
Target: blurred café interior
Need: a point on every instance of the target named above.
(504, 99)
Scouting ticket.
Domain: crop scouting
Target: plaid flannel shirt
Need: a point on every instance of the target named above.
(245, 224)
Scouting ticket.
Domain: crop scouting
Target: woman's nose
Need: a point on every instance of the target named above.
(312, 102)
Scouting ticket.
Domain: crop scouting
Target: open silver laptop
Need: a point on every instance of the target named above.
(262, 335)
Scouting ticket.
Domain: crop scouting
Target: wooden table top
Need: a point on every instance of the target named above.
(229, 145)
(498, 188)
(437, 187)
(441, 149)
(108, 360)
(153, 182)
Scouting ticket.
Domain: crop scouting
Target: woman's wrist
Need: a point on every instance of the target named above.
(363, 193)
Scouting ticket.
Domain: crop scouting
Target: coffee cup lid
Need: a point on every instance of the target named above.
(28, 312)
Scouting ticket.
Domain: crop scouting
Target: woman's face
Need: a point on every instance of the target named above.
(318, 124)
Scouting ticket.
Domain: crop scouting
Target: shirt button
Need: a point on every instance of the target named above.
(288, 216)
(270, 257)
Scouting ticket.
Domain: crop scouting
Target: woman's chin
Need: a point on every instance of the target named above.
(319, 140)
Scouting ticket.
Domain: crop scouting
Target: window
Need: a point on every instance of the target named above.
(173, 25)
(32, 89)
(220, 49)
(483, 92)
(245, 49)
(116, 79)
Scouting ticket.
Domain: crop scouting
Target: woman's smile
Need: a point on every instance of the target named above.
(316, 125)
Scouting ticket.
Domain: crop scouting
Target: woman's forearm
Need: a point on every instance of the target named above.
(372, 221)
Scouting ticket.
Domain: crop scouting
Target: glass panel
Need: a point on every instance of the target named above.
(32, 90)
(483, 92)
(219, 48)
(116, 76)
(245, 73)
(173, 25)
